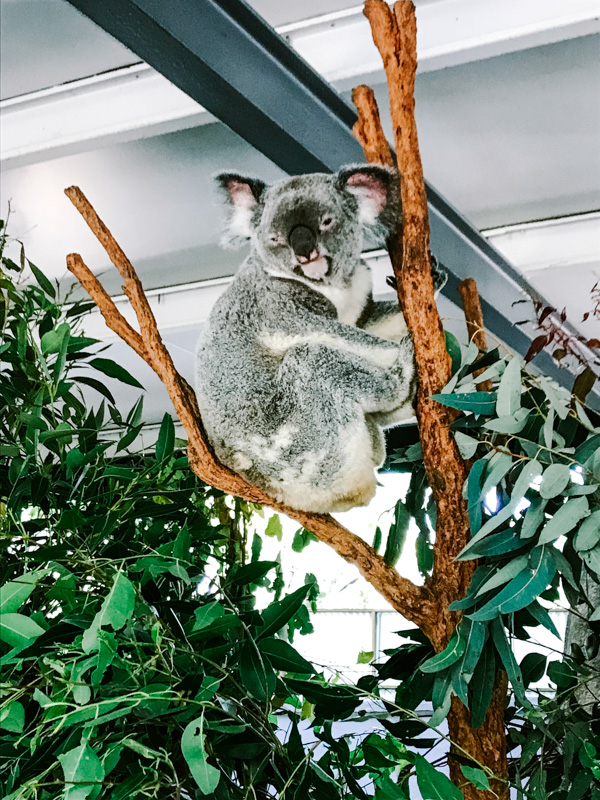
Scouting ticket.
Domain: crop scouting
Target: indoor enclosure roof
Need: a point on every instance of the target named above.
(143, 116)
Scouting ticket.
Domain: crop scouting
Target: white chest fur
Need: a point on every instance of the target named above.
(350, 300)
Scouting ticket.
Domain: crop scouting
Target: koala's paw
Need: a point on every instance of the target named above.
(405, 370)
(438, 274)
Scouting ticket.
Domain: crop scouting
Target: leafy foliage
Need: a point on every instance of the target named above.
(134, 659)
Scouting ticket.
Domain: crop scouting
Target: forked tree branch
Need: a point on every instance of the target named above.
(394, 34)
(413, 602)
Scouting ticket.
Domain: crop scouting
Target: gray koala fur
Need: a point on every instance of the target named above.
(293, 393)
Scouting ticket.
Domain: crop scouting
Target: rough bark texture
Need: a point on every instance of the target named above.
(394, 34)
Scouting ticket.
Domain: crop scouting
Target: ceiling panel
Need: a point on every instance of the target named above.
(48, 42)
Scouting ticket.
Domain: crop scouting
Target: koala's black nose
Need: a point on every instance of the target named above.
(302, 241)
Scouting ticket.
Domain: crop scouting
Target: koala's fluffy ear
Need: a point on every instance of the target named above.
(241, 195)
(376, 189)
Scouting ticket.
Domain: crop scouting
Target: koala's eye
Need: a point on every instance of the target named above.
(326, 223)
(275, 239)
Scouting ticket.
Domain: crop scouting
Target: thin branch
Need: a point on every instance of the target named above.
(475, 327)
(413, 602)
(367, 129)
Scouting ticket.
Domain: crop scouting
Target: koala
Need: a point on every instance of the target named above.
(298, 370)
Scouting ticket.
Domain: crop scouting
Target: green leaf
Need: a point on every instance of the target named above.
(588, 534)
(475, 635)
(565, 519)
(256, 673)
(397, 535)
(280, 613)
(434, 785)
(114, 370)
(534, 516)
(302, 538)
(12, 717)
(17, 629)
(283, 656)
(477, 777)
(166, 439)
(507, 657)
(115, 611)
(94, 384)
(539, 613)
(15, 593)
(474, 493)
(83, 771)
(509, 390)
(52, 341)
(528, 472)
(206, 615)
(448, 656)
(587, 449)
(274, 527)
(477, 402)
(453, 349)
(193, 749)
(514, 423)
(533, 667)
(522, 589)
(505, 573)
(498, 544)
(467, 445)
(365, 657)
(481, 685)
(252, 573)
(555, 480)
(42, 280)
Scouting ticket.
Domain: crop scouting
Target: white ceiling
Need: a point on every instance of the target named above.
(507, 139)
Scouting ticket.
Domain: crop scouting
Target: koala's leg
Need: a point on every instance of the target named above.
(329, 395)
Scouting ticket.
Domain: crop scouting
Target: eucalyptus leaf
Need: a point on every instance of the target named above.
(447, 657)
(565, 519)
(588, 533)
(527, 474)
(555, 479)
(467, 445)
(477, 402)
(509, 390)
(523, 588)
(512, 423)
(505, 652)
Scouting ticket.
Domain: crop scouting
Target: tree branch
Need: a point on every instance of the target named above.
(475, 327)
(413, 602)
(394, 34)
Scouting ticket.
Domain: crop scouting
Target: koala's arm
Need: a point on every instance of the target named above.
(328, 331)
(383, 319)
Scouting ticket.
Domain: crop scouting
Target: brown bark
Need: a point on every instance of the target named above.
(394, 34)
(475, 327)
(413, 602)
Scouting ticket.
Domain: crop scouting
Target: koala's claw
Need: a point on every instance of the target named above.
(438, 273)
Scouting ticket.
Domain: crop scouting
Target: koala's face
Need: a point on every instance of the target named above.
(310, 227)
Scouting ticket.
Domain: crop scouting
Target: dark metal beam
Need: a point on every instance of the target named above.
(226, 57)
